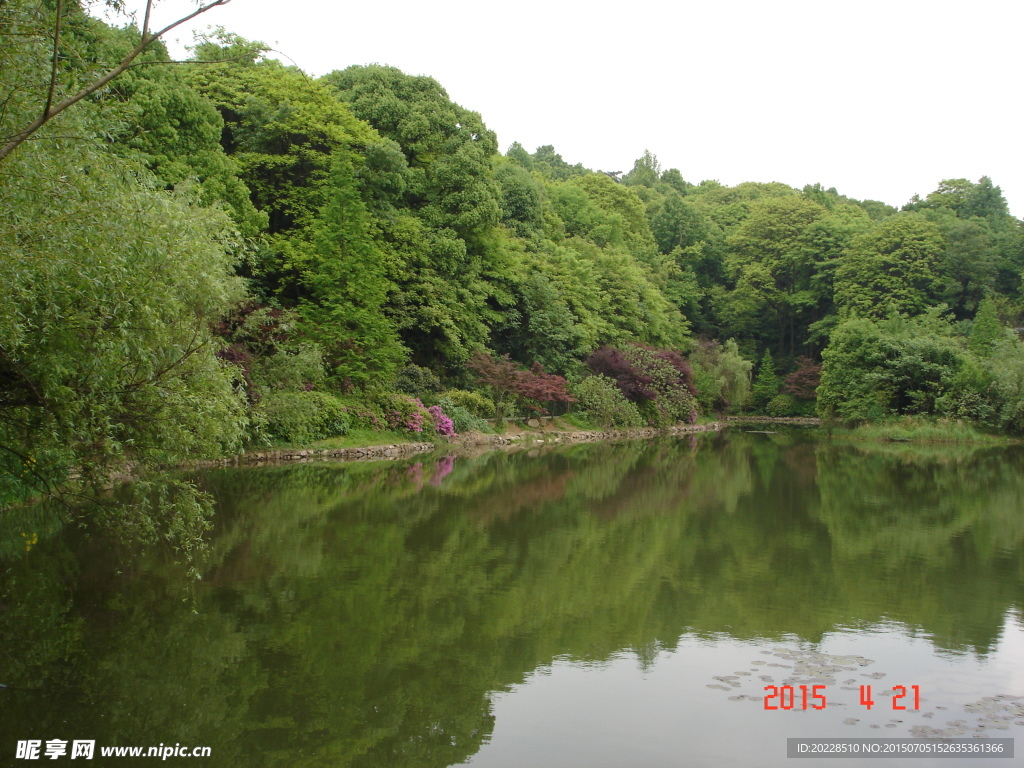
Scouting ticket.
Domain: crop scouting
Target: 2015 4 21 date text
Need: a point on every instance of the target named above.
(813, 697)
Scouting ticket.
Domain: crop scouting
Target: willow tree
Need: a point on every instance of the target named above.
(107, 356)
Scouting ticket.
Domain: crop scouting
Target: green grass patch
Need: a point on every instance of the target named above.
(709, 418)
(361, 438)
(576, 421)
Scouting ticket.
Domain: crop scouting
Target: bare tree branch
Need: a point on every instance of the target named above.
(145, 23)
(55, 109)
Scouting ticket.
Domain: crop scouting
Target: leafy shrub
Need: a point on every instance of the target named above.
(303, 417)
(1006, 366)
(543, 387)
(463, 419)
(605, 404)
(364, 414)
(899, 365)
(417, 380)
(968, 403)
(658, 381)
(474, 403)
(295, 367)
(263, 347)
(782, 405)
(851, 386)
(613, 363)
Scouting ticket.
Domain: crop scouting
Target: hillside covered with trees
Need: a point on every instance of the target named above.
(206, 257)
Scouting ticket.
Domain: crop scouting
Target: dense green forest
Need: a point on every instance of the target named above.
(205, 257)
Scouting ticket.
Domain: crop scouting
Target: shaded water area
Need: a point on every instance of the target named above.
(600, 605)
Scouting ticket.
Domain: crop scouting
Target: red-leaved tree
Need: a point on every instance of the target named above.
(634, 383)
(543, 387)
(803, 382)
(507, 382)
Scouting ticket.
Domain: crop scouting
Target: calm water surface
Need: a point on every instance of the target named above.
(601, 605)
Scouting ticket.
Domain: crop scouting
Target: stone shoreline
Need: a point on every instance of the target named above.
(808, 421)
(469, 441)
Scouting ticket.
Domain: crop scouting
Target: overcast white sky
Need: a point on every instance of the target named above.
(881, 99)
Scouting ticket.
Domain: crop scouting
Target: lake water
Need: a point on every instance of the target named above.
(626, 604)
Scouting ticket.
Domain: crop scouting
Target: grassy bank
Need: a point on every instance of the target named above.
(904, 429)
(354, 443)
(919, 429)
(363, 438)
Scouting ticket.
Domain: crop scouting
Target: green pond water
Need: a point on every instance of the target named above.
(601, 605)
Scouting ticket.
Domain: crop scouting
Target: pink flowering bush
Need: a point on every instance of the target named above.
(407, 414)
(443, 424)
(401, 413)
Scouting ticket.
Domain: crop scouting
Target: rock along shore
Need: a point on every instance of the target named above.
(467, 441)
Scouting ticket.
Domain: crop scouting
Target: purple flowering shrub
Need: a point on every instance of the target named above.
(400, 413)
(407, 414)
(443, 424)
